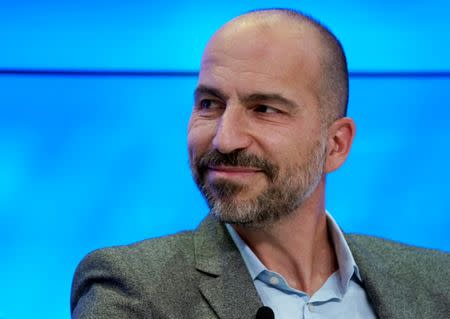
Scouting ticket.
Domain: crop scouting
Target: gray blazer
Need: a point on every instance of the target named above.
(200, 274)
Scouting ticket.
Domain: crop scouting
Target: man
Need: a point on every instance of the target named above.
(269, 122)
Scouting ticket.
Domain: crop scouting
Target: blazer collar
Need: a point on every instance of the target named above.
(226, 283)
(384, 281)
(228, 287)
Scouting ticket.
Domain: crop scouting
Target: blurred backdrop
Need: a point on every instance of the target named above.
(97, 159)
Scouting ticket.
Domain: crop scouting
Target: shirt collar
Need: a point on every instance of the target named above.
(346, 262)
(254, 265)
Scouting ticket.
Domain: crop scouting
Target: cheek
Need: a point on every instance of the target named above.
(281, 141)
(199, 137)
(287, 148)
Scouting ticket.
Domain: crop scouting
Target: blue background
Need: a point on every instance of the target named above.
(91, 161)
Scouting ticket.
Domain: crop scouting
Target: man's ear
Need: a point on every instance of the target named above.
(340, 138)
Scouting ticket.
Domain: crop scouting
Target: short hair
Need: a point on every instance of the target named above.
(334, 82)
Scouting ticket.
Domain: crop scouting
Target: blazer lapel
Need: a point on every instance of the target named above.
(226, 283)
(392, 296)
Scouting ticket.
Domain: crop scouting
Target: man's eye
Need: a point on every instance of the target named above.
(206, 104)
(265, 109)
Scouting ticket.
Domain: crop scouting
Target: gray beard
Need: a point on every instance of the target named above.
(283, 196)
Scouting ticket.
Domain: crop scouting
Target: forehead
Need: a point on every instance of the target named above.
(251, 52)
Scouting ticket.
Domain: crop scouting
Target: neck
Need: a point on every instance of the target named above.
(298, 247)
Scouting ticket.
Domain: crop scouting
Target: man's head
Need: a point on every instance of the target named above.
(334, 73)
(268, 116)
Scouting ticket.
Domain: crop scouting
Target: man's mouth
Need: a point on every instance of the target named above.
(232, 171)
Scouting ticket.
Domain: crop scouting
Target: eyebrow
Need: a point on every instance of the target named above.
(252, 98)
(207, 90)
(269, 97)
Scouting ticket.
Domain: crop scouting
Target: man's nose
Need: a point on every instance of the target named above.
(232, 132)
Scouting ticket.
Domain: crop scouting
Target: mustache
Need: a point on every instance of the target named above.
(238, 158)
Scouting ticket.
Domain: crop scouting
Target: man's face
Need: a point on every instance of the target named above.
(256, 146)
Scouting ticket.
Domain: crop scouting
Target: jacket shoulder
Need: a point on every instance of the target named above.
(150, 253)
(403, 281)
(401, 256)
(109, 278)
(386, 245)
(159, 250)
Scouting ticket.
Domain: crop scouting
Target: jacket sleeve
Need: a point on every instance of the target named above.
(104, 286)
